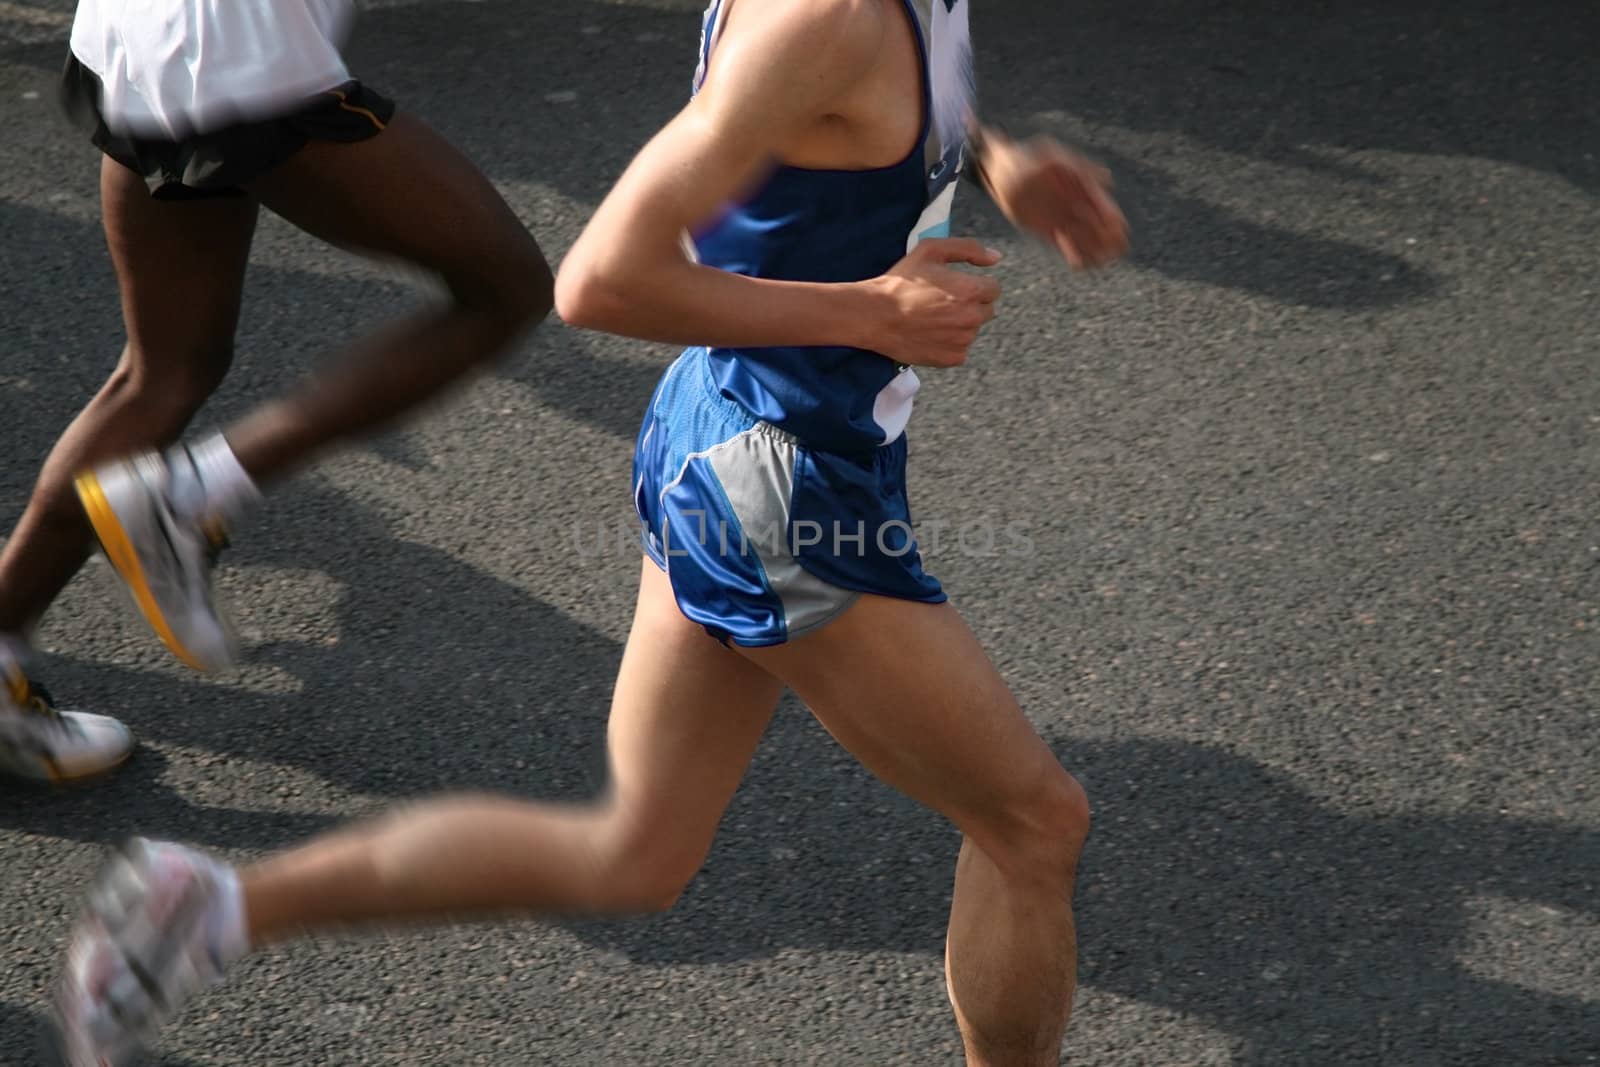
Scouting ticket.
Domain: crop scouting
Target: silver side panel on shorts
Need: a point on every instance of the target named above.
(756, 470)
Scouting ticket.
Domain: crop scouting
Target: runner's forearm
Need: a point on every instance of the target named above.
(689, 304)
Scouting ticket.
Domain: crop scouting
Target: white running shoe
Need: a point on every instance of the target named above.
(42, 744)
(164, 561)
(163, 923)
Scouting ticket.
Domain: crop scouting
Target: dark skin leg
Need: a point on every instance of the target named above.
(405, 194)
(180, 269)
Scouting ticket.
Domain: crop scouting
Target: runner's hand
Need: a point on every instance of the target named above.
(935, 310)
(1058, 196)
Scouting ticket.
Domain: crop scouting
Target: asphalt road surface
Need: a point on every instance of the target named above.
(1307, 588)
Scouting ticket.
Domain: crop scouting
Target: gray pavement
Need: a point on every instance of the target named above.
(1311, 602)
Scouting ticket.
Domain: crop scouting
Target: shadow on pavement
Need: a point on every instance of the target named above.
(563, 96)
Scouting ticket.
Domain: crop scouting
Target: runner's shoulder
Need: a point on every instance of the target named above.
(836, 39)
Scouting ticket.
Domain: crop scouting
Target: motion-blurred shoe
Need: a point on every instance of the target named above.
(164, 560)
(162, 924)
(42, 744)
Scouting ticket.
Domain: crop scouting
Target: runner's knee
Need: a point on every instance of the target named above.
(531, 287)
(139, 404)
(515, 286)
(646, 872)
(1041, 835)
(165, 399)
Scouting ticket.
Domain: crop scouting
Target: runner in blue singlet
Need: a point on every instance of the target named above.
(813, 173)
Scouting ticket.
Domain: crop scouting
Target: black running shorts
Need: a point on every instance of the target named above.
(223, 161)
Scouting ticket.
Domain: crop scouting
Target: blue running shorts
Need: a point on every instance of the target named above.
(763, 537)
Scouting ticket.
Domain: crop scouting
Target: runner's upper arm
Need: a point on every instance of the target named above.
(780, 66)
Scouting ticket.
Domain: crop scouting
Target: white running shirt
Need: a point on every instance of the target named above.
(172, 68)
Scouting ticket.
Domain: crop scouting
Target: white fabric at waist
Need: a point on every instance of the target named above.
(172, 68)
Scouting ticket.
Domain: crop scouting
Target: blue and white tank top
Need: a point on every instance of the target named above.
(844, 226)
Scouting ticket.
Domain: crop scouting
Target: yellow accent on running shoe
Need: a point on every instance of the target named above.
(119, 550)
(21, 691)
